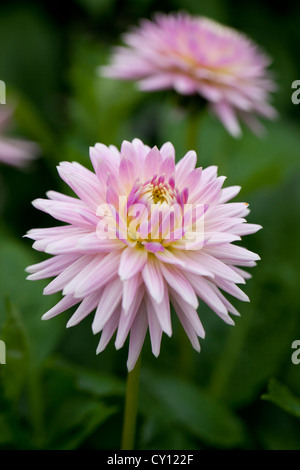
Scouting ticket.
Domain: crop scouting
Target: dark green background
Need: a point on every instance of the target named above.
(55, 392)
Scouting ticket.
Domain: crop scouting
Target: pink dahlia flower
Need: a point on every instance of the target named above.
(143, 232)
(14, 151)
(195, 55)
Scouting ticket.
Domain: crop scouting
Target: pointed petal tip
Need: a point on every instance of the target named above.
(45, 317)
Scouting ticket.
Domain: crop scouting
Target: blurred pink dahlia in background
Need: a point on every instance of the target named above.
(14, 151)
(196, 55)
(143, 232)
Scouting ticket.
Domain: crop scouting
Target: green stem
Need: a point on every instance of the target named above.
(131, 407)
(192, 131)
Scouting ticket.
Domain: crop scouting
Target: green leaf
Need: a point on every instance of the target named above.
(27, 296)
(189, 406)
(14, 372)
(281, 396)
(97, 383)
(78, 418)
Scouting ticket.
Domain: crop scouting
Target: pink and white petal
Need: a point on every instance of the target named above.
(50, 267)
(185, 166)
(188, 328)
(231, 289)
(153, 162)
(217, 267)
(108, 330)
(67, 275)
(126, 319)
(189, 312)
(180, 283)
(167, 151)
(205, 292)
(96, 274)
(130, 288)
(169, 257)
(229, 193)
(110, 299)
(132, 261)
(232, 253)
(137, 337)
(155, 329)
(228, 118)
(64, 304)
(153, 279)
(88, 304)
(163, 313)
(82, 181)
(246, 229)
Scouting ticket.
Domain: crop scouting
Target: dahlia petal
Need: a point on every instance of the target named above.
(205, 292)
(188, 329)
(186, 165)
(110, 299)
(83, 182)
(233, 253)
(227, 116)
(108, 330)
(50, 267)
(219, 238)
(66, 212)
(132, 261)
(137, 337)
(64, 304)
(153, 279)
(88, 304)
(155, 329)
(242, 272)
(162, 311)
(178, 282)
(67, 275)
(126, 319)
(92, 244)
(96, 274)
(126, 172)
(231, 289)
(189, 312)
(191, 264)
(156, 82)
(246, 229)
(168, 257)
(130, 288)
(167, 151)
(229, 193)
(217, 267)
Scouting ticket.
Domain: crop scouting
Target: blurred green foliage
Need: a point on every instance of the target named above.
(55, 392)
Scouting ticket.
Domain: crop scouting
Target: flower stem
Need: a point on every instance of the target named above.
(192, 131)
(131, 407)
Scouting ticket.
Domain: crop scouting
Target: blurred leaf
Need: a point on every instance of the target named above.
(6, 435)
(191, 407)
(97, 7)
(14, 373)
(259, 346)
(283, 397)
(32, 122)
(77, 419)
(97, 383)
(30, 45)
(99, 107)
(27, 297)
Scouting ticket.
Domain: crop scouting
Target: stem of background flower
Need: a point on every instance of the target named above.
(192, 130)
(131, 407)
